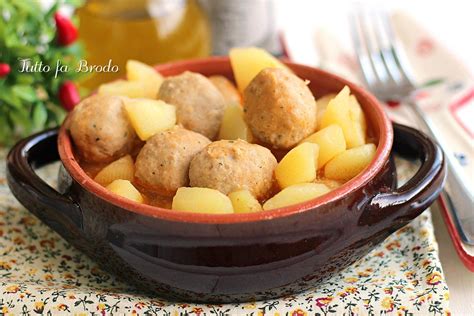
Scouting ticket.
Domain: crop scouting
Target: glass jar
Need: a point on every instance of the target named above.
(151, 31)
(242, 23)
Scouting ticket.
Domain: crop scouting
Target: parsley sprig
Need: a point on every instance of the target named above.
(29, 100)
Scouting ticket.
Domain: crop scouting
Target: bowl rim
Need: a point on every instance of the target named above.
(382, 154)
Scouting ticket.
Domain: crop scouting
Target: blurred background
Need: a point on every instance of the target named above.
(103, 32)
(157, 31)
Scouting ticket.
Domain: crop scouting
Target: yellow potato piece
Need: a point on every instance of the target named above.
(338, 112)
(296, 194)
(331, 143)
(125, 189)
(122, 168)
(149, 117)
(248, 62)
(298, 166)
(131, 89)
(201, 200)
(350, 163)
(138, 71)
(322, 104)
(227, 89)
(233, 125)
(244, 202)
(358, 117)
(331, 184)
(337, 109)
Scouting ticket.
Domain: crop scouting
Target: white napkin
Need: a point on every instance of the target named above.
(447, 87)
(446, 91)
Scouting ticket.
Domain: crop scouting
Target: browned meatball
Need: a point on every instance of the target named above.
(100, 129)
(230, 165)
(280, 110)
(163, 163)
(199, 104)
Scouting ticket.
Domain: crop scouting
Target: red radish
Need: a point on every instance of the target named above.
(4, 70)
(66, 31)
(69, 95)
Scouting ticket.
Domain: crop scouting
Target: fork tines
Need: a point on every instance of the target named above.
(384, 66)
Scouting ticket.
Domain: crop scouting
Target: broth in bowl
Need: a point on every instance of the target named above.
(198, 144)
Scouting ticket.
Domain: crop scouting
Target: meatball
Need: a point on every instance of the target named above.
(100, 129)
(231, 165)
(163, 163)
(199, 104)
(280, 110)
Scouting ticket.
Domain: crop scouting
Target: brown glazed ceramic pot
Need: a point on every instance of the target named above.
(234, 257)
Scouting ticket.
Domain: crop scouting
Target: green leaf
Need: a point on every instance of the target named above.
(21, 120)
(11, 40)
(9, 98)
(40, 115)
(28, 6)
(29, 32)
(5, 131)
(25, 79)
(56, 113)
(75, 3)
(22, 50)
(52, 10)
(26, 93)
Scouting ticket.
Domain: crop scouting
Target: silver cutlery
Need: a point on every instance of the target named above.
(388, 75)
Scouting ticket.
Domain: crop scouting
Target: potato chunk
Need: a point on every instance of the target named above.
(322, 104)
(299, 165)
(248, 62)
(125, 189)
(122, 168)
(350, 163)
(244, 202)
(149, 117)
(338, 112)
(227, 89)
(131, 89)
(296, 194)
(140, 72)
(331, 184)
(201, 200)
(331, 142)
(358, 117)
(233, 125)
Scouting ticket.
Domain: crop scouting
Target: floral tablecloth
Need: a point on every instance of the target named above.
(40, 273)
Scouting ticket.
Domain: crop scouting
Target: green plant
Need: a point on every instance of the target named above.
(30, 100)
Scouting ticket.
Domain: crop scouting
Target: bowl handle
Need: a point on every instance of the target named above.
(392, 210)
(58, 211)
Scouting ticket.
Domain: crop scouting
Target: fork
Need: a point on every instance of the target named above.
(388, 75)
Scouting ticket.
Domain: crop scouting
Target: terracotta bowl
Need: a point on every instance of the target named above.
(236, 257)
